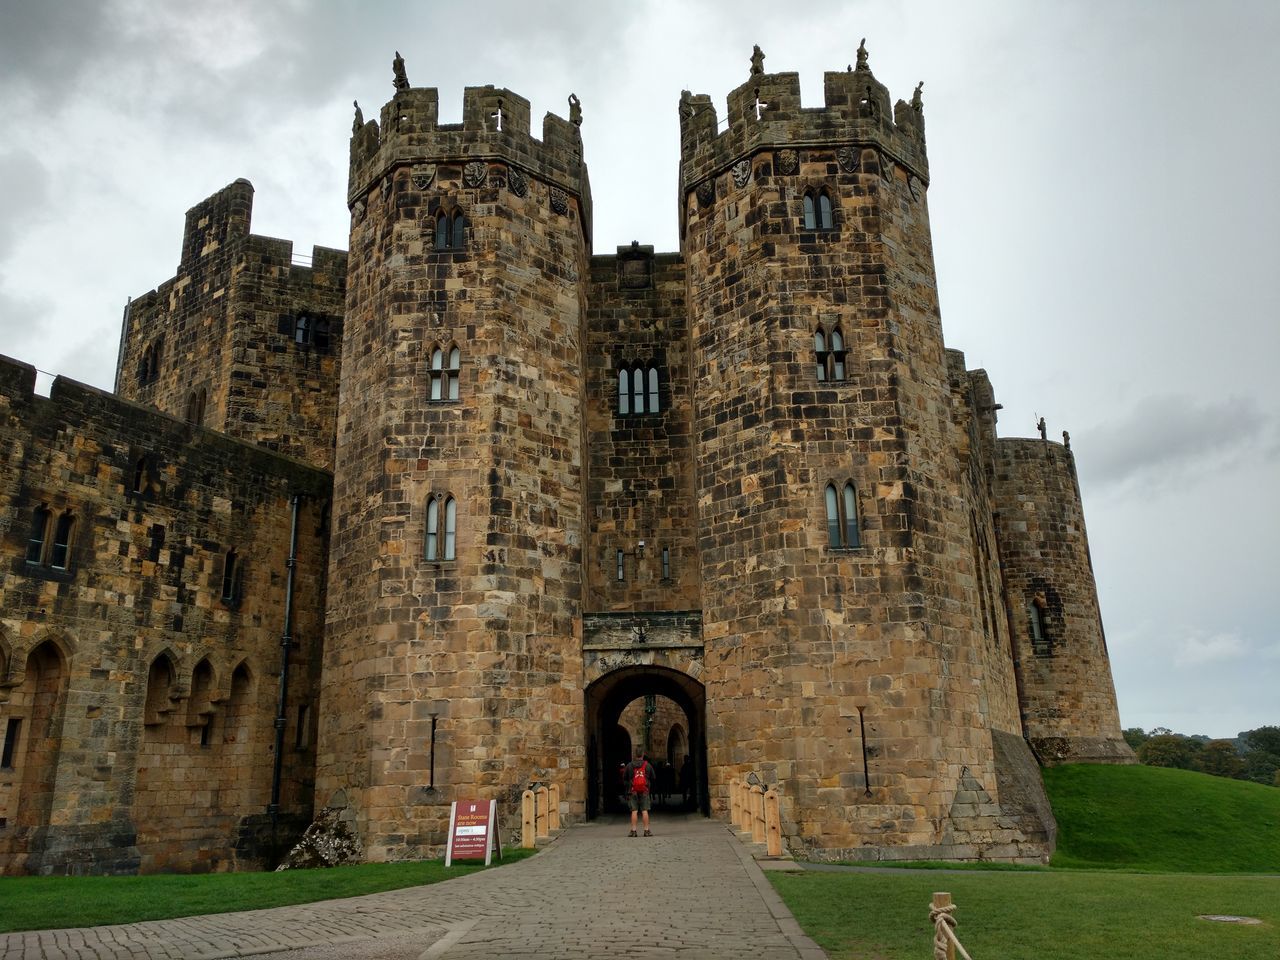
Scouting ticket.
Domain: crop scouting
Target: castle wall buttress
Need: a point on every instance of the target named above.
(456, 581)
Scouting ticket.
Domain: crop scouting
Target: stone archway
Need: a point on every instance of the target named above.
(608, 697)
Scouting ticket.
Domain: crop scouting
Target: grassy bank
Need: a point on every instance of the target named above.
(1063, 915)
(42, 903)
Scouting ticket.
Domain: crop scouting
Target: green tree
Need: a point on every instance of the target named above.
(1262, 754)
(1169, 750)
(1134, 737)
(1221, 759)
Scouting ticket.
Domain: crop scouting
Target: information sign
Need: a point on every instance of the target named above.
(473, 831)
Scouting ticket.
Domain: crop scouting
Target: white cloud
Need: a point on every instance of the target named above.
(1197, 649)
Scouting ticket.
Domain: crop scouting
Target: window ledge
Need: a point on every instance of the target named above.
(849, 551)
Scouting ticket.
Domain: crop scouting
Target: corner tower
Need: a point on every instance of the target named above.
(455, 572)
(843, 638)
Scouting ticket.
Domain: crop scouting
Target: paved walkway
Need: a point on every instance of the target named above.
(690, 893)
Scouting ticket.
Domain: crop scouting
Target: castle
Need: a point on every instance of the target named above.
(420, 520)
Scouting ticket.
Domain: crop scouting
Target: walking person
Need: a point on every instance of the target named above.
(641, 779)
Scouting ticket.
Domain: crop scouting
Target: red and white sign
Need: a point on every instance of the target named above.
(473, 831)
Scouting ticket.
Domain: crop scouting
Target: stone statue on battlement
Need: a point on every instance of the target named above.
(358, 123)
(757, 61)
(401, 80)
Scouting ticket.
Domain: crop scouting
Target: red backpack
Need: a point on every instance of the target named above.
(639, 782)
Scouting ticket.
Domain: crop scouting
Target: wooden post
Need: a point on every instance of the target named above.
(734, 814)
(941, 907)
(553, 808)
(772, 824)
(540, 806)
(757, 814)
(528, 837)
(744, 807)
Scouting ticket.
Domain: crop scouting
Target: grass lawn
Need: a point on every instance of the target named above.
(1142, 851)
(42, 903)
(1056, 915)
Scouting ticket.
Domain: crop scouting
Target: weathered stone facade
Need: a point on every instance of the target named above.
(745, 483)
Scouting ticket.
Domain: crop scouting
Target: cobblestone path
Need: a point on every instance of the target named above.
(691, 892)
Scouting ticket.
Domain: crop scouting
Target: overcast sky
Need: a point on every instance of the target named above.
(1104, 203)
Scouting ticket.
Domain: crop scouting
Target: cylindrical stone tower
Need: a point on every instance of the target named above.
(1068, 697)
(843, 656)
(451, 659)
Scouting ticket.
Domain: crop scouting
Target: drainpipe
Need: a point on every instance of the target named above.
(286, 641)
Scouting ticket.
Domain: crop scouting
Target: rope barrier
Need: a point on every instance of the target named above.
(941, 915)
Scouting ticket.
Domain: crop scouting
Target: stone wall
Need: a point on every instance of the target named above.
(142, 680)
(1069, 700)
(640, 465)
(241, 339)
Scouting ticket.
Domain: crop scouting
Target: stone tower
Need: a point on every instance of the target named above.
(452, 650)
(845, 655)
(245, 337)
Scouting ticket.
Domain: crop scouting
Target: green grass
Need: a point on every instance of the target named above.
(1062, 915)
(42, 903)
(1162, 820)
(1142, 851)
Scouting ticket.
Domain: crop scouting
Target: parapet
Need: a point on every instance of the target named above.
(216, 222)
(495, 125)
(765, 112)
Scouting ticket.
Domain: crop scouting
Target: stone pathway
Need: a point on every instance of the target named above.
(692, 892)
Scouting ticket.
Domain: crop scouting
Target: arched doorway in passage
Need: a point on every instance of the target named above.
(641, 707)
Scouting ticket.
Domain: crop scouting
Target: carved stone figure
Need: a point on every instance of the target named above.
(1044, 431)
(917, 102)
(1066, 439)
(686, 104)
(757, 61)
(788, 161)
(847, 157)
(401, 81)
(517, 182)
(559, 201)
(742, 173)
(575, 110)
(862, 55)
(358, 123)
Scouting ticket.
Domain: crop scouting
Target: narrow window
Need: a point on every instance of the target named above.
(321, 336)
(624, 391)
(833, 516)
(820, 353)
(230, 577)
(452, 371)
(11, 733)
(140, 476)
(39, 533)
(437, 374)
(810, 220)
(824, 211)
(433, 529)
(666, 563)
(450, 527)
(442, 232)
(837, 355)
(622, 569)
(653, 389)
(459, 230)
(1039, 638)
(302, 329)
(851, 538)
(60, 555)
(301, 739)
(157, 543)
(637, 390)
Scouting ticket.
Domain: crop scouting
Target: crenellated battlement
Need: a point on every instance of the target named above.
(496, 126)
(765, 113)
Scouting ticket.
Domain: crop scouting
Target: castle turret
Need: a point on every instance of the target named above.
(454, 599)
(843, 635)
(1068, 697)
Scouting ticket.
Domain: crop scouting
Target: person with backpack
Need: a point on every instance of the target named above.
(641, 780)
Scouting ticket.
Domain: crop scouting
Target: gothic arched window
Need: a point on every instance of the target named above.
(842, 515)
(442, 232)
(829, 354)
(639, 389)
(442, 531)
(459, 230)
(624, 391)
(818, 210)
(39, 534)
(60, 554)
(444, 373)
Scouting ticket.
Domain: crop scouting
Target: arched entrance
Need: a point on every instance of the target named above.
(626, 705)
